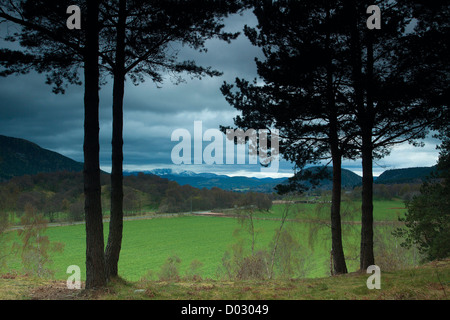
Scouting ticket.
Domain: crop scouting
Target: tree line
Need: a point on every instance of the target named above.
(59, 196)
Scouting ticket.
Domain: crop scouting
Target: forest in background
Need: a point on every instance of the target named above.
(59, 196)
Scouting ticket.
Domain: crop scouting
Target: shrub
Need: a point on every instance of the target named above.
(169, 270)
(194, 271)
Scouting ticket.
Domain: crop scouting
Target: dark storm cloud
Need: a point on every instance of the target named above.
(29, 110)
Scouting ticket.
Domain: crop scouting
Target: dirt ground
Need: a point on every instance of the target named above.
(57, 290)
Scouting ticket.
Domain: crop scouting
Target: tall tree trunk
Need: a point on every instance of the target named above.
(364, 114)
(114, 245)
(339, 264)
(337, 251)
(366, 253)
(95, 259)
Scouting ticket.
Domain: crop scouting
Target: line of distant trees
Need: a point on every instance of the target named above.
(392, 191)
(59, 196)
(403, 191)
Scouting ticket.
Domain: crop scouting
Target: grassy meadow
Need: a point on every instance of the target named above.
(147, 243)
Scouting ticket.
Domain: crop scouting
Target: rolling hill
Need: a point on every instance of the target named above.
(407, 175)
(19, 157)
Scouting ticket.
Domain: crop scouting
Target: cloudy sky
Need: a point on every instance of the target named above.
(29, 110)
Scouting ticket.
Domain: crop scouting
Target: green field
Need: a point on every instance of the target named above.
(147, 243)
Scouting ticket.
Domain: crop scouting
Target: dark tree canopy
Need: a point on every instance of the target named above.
(335, 88)
(300, 92)
(153, 30)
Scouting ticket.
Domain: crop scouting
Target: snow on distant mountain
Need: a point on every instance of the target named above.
(238, 183)
(210, 180)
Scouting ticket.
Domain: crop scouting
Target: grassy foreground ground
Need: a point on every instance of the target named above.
(427, 282)
(147, 243)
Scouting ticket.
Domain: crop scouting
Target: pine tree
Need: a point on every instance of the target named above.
(391, 105)
(303, 81)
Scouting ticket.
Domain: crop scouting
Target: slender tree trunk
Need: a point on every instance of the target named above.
(114, 245)
(366, 254)
(337, 251)
(95, 259)
(339, 264)
(365, 119)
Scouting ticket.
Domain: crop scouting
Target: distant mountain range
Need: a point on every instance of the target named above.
(209, 180)
(19, 157)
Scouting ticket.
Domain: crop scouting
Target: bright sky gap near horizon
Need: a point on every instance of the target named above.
(29, 110)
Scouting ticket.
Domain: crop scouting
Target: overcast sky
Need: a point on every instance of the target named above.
(29, 110)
